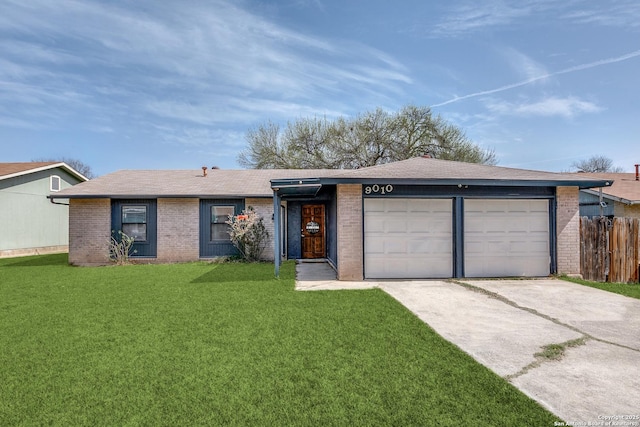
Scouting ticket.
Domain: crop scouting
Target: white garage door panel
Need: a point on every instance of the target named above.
(395, 227)
(408, 238)
(390, 268)
(394, 246)
(394, 205)
(506, 238)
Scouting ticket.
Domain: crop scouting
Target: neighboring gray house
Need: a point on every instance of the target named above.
(621, 199)
(29, 222)
(417, 218)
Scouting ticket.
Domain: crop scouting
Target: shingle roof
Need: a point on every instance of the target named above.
(14, 169)
(433, 169)
(624, 186)
(10, 170)
(187, 183)
(256, 182)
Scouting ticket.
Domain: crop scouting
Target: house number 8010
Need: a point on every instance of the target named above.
(378, 189)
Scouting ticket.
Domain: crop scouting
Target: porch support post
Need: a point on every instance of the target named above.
(458, 247)
(277, 250)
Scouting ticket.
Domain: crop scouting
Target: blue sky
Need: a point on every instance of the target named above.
(151, 84)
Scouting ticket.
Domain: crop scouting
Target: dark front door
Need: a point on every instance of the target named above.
(313, 231)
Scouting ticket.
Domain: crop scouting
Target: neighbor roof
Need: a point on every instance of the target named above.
(625, 188)
(10, 170)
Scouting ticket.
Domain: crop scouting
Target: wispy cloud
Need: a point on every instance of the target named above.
(526, 82)
(622, 13)
(203, 63)
(552, 106)
(471, 16)
(194, 136)
(314, 4)
(523, 64)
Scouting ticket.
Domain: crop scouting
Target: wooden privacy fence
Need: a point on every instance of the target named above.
(609, 249)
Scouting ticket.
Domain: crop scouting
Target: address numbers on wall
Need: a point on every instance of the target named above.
(378, 189)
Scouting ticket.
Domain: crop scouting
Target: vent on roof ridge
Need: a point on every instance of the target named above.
(214, 167)
(204, 171)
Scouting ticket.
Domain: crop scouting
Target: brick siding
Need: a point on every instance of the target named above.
(568, 230)
(627, 211)
(349, 232)
(89, 231)
(178, 234)
(264, 209)
(178, 230)
(632, 211)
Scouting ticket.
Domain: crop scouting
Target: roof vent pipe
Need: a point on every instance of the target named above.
(637, 174)
(204, 171)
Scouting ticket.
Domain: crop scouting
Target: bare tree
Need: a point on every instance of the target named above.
(596, 164)
(76, 164)
(363, 141)
(372, 138)
(264, 150)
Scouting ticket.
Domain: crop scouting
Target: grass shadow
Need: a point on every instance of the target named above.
(37, 261)
(237, 272)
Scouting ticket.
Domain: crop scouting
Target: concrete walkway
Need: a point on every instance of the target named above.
(505, 325)
(320, 276)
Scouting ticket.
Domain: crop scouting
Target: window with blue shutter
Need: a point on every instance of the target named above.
(137, 219)
(214, 231)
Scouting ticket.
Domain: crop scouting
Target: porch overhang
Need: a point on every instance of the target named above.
(288, 188)
(296, 187)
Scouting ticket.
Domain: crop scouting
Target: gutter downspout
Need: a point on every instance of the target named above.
(56, 203)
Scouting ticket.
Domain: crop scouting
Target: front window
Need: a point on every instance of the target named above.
(219, 227)
(134, 222)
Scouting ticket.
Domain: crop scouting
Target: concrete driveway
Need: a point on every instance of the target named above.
(504, 323)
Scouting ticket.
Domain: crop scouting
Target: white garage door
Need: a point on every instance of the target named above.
(408, 238)
(505, 238)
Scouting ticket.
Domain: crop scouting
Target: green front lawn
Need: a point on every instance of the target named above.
(212, 344)
(627, 289)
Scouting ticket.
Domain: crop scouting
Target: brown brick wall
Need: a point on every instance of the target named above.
(630, 211)
(618, 209)
(178, 234)
(89, 231)
(350, 239)
(178, 230)
(264, 208)
(568, 230)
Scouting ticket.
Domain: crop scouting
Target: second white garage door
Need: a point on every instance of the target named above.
(408, 238)
(505, 238)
